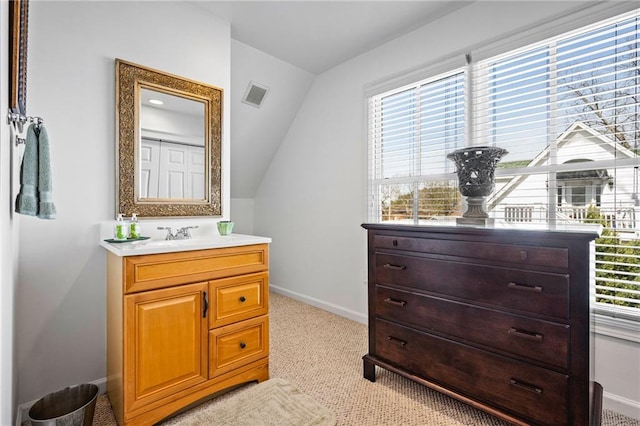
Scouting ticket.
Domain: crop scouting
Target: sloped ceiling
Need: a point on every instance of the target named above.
(256, 133)
(318, 35)
(282, 45)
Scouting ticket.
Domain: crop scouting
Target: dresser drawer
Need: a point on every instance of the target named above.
(238, 298)
(528, 337)
(238, 344)
(537, 292)
(163, 270)
(516, 254)
(529, 391)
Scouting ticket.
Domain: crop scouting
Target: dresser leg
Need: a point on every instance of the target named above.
(369, 369)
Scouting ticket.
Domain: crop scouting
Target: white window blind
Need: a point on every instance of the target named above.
(411, 129)
(567, 109)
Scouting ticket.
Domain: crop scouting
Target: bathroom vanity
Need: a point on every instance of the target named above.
(185, 319)
(498, 318)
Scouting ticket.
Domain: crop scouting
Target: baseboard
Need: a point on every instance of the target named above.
(628, 407)
(330, 307)
(23, 409)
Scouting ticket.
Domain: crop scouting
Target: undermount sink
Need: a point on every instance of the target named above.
(166, 243)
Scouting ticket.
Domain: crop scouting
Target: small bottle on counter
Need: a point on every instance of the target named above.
(134, 227)
(121, 231)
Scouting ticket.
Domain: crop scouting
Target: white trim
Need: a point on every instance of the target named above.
(619, 328)
(414, 75)
(589, 14)
(625, 406)
(23, 409)
(330, 307)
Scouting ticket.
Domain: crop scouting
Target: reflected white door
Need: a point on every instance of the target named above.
(173, 170)
(195, 182)
(149, 167)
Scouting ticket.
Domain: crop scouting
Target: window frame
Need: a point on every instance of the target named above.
(591, 16)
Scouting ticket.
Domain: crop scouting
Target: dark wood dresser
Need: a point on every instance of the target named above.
(497, 318)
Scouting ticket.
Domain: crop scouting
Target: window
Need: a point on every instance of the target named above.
(568, 111)
(412, 129)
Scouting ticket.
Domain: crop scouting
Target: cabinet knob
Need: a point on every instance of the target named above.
(243, 299)
(243, 345)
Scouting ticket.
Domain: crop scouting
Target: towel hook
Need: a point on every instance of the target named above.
(18, 120)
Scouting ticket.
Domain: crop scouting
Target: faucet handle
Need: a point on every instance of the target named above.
(185, 231)
(169, 236)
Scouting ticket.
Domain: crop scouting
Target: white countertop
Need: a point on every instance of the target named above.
(154, 246)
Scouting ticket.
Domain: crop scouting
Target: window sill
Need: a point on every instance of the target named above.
(607, 324)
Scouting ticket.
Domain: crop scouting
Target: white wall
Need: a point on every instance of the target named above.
(60, 299)
(242, 215)
(617, 368)
(8, 378)
(311, 200)
(259, 131)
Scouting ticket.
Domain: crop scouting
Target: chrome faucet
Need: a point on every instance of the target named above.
(181, 234)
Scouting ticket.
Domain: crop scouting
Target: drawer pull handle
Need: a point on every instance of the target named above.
(395, 302)
(530, 335)
(205, 302)
(243, 299)
(515, 286)
(243, 345)
(395, 341)
(526, 386)
(391, 266)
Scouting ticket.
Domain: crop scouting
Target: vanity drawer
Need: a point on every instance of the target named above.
(152, 271)
(238, 298)
(530, 291)
(517, 254)
(532, 392)
(528, 337)
(238, 344)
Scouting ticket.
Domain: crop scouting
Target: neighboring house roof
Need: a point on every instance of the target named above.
(543, 156)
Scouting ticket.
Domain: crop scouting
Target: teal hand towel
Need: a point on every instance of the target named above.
(46, 209)
(27, 200)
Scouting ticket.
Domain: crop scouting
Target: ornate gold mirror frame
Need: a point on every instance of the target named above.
(130, 79)
(18, 35)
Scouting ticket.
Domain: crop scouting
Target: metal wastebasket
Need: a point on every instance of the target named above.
(72, 406)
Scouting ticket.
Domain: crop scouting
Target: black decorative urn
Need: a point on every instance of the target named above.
(476, 167)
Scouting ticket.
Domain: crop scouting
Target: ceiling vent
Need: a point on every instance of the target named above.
(255, 94)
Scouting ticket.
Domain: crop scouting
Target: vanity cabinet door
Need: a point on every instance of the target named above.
(165, 345)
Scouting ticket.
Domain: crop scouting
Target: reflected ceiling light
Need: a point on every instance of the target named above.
(155, 102)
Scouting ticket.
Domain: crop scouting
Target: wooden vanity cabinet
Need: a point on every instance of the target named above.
(497, 318)
(182, 326)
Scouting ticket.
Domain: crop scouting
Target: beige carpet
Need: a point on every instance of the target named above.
(275, 402)
(321, 354)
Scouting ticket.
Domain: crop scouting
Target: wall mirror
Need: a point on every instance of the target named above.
(168, 144)
(18, 36)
